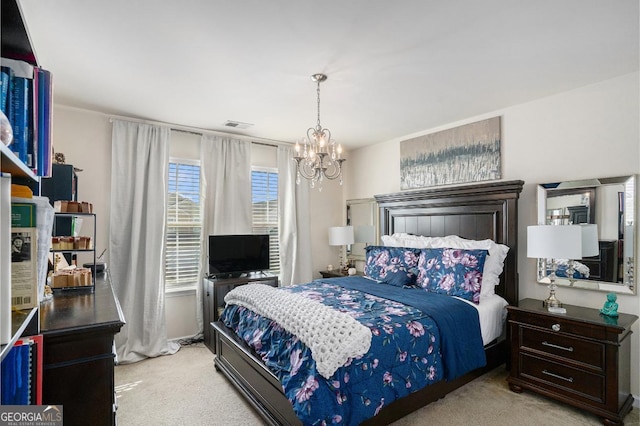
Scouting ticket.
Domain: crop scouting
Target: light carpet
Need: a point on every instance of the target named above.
(185, 389)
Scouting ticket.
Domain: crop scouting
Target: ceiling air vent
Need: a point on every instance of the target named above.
(237, 124)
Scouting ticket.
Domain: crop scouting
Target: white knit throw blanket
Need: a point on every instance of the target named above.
(332, 336)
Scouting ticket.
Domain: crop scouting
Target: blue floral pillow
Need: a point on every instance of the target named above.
(397, 266)
(455, 272)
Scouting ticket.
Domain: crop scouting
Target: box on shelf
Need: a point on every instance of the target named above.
(62, 206)
(78, 277)
(71, 243)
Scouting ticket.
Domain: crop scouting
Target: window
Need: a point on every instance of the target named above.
(264, 198)
(184, 225)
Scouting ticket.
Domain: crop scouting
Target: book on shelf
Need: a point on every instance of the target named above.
(5, 259)
(29, 97)
(21, 373)
(6, 74)
(44, 147)
(24, 264)
(45, 216)
(19, 116)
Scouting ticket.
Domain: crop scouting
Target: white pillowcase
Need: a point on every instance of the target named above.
(494, 263)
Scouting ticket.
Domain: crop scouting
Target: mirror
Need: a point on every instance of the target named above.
(362, 214)
(609, 203)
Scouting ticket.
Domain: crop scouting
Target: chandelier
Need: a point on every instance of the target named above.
(319, 156)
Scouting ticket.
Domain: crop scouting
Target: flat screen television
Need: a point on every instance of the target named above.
(233, 255)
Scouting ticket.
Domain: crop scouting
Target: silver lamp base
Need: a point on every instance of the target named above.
(552, 301)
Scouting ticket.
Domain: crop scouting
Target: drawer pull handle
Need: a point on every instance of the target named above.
(555, 327)
(557, 376)
(564, 348)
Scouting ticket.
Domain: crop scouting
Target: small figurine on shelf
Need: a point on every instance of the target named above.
(58, 158)
(610, 307)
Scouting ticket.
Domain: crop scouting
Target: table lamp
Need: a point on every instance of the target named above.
(554, 242)
(341, 236)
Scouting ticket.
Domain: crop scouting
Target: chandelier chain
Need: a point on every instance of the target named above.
(318, 91)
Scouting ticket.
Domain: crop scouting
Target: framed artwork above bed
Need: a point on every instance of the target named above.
(469, 153)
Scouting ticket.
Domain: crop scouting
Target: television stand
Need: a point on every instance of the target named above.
(214, 290)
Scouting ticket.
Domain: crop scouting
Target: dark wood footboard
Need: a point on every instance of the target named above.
(248, 374)
(262, 389)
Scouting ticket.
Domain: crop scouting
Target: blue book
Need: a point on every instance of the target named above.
(20, 116)
(44, 122)
(16, 376)
(6, 75)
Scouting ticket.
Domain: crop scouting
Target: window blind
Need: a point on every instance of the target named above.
(264, 194)
(184, 225)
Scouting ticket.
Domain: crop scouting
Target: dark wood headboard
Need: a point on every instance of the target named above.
(477, 211)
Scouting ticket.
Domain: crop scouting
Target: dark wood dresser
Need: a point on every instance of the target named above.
(78, 327)
(581, 358)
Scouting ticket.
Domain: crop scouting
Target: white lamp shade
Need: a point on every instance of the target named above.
(341, 235)
(590, 245)
(365, 234)
(554, 241)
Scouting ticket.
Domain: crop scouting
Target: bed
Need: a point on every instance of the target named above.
(476, 212)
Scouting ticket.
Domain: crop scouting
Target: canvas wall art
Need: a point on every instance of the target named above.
(469, 153)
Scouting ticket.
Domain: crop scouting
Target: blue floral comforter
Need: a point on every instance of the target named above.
(406, 349)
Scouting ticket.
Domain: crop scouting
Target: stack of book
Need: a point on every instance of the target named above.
(26, 99)
(21, 373)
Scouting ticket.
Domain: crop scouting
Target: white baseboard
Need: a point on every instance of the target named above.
(636, 401)
(190, 337)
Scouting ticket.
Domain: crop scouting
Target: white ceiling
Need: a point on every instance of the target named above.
(394, 67)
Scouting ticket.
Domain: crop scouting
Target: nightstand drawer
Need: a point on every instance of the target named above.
(560, 324)
(582, 351)
(562, 379)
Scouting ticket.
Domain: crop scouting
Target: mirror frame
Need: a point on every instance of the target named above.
(564, 188)
(356, 251)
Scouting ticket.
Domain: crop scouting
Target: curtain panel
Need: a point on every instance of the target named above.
(225, 176)
(140, 156)
(294, 226)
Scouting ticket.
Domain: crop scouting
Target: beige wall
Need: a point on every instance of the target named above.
(585, 133)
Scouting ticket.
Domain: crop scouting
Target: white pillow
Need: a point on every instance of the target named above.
(494, 263)
(405, 240)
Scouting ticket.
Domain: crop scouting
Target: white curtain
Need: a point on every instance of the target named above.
(294, 227)
(140, 155)
(225, 179)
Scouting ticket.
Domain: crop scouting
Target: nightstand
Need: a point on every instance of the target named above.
(581, 358)
(214, 291)
(332, 274)
(336, 273)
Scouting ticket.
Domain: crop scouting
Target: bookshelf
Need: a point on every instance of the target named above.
(14, 43)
